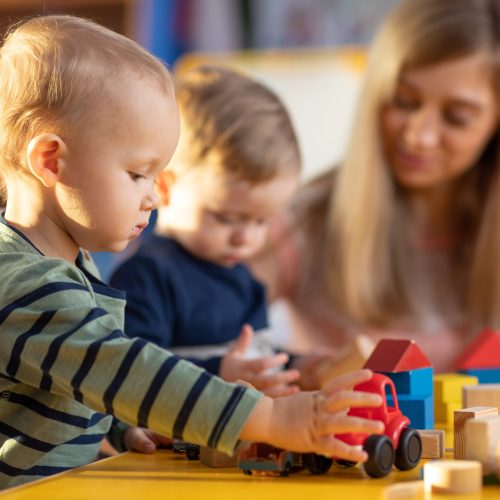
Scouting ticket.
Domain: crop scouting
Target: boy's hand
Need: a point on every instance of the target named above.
(308, 421)
(144, 440)
(260, 372)
(307, 365)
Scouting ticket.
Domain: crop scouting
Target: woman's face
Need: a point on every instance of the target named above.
(439, 121)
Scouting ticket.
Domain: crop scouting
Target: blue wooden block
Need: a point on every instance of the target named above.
(419, 409)
(417, 382)
(484, 375)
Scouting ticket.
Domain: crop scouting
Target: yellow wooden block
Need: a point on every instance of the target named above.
(443, 413)
(448, 386)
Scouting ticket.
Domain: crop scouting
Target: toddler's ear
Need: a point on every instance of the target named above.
(46, 154)
(163, 184)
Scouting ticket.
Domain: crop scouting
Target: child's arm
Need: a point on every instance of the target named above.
(304, 422)
(308, 421)
(260, 372)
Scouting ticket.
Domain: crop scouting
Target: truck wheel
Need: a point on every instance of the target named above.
(193, 452)
(380, 455)
(316, 464)
(346, 463)
(409, 449)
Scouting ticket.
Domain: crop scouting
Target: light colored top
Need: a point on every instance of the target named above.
(311, 320)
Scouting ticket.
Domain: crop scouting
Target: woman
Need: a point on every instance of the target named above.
(403, 239)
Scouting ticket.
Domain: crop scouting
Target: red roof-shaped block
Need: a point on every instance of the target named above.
(483, 352)
(396, 355)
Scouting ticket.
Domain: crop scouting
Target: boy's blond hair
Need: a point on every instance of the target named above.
(233, 123)
(54, 73)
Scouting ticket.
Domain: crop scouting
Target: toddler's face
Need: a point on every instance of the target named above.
(222, 219)
(107, 193)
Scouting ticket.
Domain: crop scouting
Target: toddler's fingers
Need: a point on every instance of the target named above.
(347, 399)
(265, 363)
(340, 424)
(346, 381)
(278, 391)
(141, 442)
(265, 380)
(332, 447)
(242, 343)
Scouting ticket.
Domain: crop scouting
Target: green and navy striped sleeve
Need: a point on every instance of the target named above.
(65, 364)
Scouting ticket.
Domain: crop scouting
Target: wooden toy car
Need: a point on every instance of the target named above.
(192, 451)
(399, 445)
(264, 459)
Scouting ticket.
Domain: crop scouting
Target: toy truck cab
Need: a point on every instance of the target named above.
(399, 445)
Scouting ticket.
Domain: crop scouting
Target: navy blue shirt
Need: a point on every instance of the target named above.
(175, 299)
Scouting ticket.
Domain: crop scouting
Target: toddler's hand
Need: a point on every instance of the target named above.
(308, 421)
(307, 365)
(259, 372)
(144, 440)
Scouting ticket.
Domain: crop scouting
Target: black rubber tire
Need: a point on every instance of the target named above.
(248, 472)
(316, 464)
(193, 452)
(409, 449)
(381, 455)
(286, 471)
(346, 463)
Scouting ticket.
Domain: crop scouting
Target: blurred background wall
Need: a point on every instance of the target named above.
(311, 52)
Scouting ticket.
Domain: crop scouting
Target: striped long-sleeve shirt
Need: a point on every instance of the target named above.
(66, 366)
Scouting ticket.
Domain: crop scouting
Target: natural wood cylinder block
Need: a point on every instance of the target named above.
(453, 476)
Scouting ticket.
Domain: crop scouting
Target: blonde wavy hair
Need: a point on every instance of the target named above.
(54, 73)
(233, 123)
(361, 246)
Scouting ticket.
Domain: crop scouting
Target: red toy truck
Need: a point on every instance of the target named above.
(399, 445)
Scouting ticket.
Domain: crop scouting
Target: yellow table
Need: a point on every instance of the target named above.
(167, 475)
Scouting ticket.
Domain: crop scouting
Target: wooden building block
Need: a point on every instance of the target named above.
(214, 458)
(460, 419)
(497, 459)
(418, 382)
(485, 375)
(448, 386)
(405, 489)
(482, 436)
(432, 442)
(419, 409)
(443, 413)
(482, 352)
(481, 395)
(351, 357)
(396, 355)
(450, 476)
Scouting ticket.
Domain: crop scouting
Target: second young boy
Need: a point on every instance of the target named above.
(236, 166)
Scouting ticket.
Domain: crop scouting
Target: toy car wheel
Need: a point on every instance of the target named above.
(380, 455)
(193, 452)
(346, 463)
(286, 471)
(248, 472)
(409, 449)
(316, 464)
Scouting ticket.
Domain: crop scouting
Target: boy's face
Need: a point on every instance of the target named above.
(222, 219)
(106, 193)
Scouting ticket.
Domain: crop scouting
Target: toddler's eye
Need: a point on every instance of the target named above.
(135, 177)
